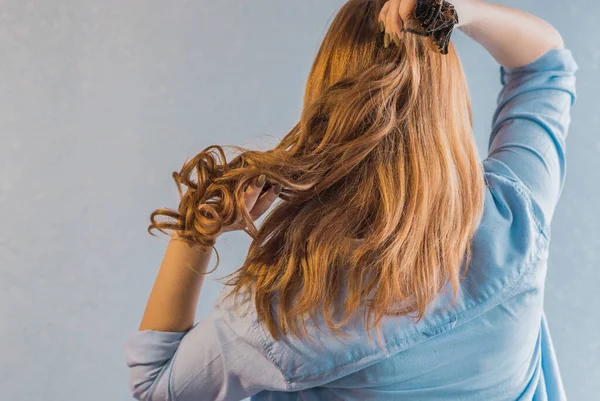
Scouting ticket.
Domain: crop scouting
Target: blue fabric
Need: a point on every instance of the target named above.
(493, 344)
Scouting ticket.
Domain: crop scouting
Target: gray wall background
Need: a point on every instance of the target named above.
(101, 100)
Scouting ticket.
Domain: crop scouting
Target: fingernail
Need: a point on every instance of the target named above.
(261, 180)
(381, 26)
(277, 189)
(396, 39)
(386, 40)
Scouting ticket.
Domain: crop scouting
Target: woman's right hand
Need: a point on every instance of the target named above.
(392, 17)
(395, 12)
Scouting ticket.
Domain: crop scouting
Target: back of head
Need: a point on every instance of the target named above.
(383, 187)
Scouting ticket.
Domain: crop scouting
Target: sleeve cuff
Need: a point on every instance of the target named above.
(552, 60)
(151, 347)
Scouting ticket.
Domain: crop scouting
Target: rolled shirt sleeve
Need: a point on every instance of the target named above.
(530, 125)
(217, 359)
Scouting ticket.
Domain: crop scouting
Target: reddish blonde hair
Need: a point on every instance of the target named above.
(383, 153)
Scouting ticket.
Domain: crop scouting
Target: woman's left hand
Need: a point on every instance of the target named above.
(256, 204)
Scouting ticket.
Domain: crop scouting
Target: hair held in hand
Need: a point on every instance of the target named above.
(382, 186)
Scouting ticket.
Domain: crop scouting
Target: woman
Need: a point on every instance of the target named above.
(397, 266)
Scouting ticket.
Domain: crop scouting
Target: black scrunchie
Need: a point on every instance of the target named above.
(437, 19)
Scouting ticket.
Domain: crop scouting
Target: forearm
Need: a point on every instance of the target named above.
(513, 37)
(173, 300)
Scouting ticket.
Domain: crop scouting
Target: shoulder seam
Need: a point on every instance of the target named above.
(268, 351)
(525, 195)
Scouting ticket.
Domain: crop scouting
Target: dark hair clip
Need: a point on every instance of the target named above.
(437, 19)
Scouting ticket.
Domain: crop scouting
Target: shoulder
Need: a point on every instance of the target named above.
(509, 194)
(507, 251)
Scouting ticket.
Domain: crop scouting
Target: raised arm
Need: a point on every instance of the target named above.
(513, 37)
(529, 128)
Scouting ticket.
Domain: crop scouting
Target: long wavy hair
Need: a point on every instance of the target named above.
(382, 186)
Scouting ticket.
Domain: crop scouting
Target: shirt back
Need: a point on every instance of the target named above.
(493, 343)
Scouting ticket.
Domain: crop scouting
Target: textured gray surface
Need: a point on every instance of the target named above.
(101, 101)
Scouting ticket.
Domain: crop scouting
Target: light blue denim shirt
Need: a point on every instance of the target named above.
(492, 344)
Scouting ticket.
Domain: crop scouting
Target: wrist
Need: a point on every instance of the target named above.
(175, 237)
(466, 11)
